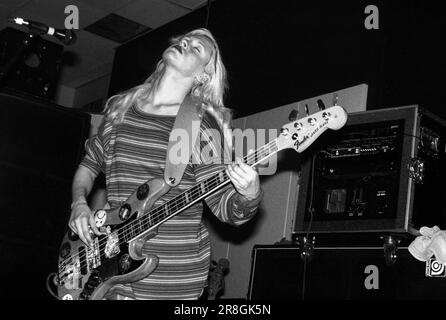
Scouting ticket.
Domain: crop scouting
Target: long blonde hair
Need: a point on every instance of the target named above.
(211, 92)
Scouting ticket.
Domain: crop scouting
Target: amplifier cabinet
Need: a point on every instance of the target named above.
(342, 273)
(379, 173)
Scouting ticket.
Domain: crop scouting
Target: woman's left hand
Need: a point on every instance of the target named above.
(245, 179)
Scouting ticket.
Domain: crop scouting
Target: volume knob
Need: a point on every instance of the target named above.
(72, 236)
(143, 191)
(124, 212)
(65, 250)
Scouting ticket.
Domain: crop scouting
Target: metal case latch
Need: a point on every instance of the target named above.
(390, 246)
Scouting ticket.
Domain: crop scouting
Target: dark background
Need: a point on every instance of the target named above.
(284, 51)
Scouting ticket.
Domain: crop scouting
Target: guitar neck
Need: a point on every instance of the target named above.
(162, 213)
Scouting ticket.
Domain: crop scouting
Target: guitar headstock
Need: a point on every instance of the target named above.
(301, 133)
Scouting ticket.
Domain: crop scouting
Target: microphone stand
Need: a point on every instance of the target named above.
(6, 70)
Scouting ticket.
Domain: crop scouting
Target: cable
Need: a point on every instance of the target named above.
(310, 206)
(48, 285)
(304, 277)
(411, 135)
(208, 13)
(311, 211)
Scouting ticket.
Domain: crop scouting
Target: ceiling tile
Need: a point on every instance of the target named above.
(152, 13)
(189, 4)
(92, 45)
(117, 28)
(84, 65)
(7, 6)
(13, 3)
(90, 74)
(107, 5)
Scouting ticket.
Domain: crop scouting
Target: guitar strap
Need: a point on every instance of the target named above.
(186, 126)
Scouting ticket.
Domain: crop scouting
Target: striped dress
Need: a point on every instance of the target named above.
(134, 151)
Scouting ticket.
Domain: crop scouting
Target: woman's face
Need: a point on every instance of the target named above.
(189, 55)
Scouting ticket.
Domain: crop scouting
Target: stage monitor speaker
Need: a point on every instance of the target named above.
(36, 71)
(41, 136)
(276, 273)
(342, 273)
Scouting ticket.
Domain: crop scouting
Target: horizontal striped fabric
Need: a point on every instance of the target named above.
(134, 151)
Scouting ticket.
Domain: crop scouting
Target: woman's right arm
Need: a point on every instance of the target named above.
(81, 219)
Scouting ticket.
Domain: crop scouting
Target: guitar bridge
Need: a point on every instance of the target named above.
(70, 274)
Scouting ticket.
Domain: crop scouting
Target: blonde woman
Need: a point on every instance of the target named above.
(130, 148)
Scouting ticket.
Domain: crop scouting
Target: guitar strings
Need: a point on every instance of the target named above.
(123, 232)
(210, 182)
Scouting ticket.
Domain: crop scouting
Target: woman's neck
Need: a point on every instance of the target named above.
(169, 93)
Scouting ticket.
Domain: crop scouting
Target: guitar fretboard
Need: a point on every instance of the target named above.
(184, 200)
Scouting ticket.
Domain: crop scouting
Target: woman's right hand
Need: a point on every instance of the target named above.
(82, 222)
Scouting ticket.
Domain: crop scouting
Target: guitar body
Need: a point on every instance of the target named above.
(89, 274)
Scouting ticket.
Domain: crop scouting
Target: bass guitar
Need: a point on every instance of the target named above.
(89, 273)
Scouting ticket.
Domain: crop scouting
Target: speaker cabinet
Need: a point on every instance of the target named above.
(36, 71)
(41, 147)
(276, 273)
(341, 273)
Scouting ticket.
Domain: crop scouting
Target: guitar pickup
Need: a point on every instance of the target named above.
(83, 260)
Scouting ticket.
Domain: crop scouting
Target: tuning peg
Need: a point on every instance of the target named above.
(306, 109)
(320, 104)
(284, 131)
(293, 115)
